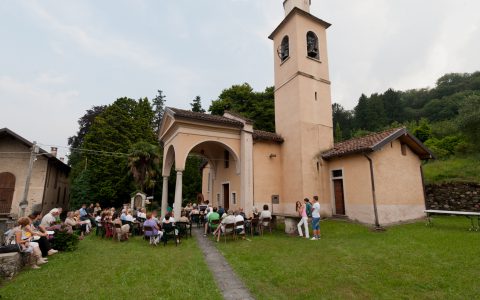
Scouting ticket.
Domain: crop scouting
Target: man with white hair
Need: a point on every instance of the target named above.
(50, 219)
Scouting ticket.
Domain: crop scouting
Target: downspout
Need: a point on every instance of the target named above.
(377, 224)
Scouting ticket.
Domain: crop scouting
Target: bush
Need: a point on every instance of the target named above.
(65, 241)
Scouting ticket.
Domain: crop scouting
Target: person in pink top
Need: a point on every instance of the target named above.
(302, 212)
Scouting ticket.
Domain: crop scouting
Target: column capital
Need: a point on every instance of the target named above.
(180, 171)
(165, 177)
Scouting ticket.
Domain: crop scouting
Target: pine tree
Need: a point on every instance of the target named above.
(197, 105)
(158, 104)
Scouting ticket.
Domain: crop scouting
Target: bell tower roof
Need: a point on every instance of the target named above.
(293, 12)
(289, 5)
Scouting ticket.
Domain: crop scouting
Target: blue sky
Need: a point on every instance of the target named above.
(59, 58)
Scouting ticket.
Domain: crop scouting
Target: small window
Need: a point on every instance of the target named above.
(404, 149)
(315, 96)
(284, 49)
(234, 198)
(337, 173)
(218, 199)
(312, 45)
(226, 156)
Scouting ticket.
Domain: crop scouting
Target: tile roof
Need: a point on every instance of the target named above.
(362, 144)
(261, 135)
(187, 114)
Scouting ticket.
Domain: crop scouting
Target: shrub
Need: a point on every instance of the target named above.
(65, 241)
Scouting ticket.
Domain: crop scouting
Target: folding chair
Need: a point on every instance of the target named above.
(169, 231)
(184, 228)
(239, 231)
(264, 221)
(254, 224)
(229, 230)
(153, 237)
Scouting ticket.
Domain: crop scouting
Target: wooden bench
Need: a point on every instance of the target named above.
(469, 214)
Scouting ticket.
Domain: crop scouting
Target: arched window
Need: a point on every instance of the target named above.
(283, 51)
(312, 45)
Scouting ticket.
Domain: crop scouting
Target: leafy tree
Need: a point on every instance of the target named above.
(143, 162)
(344, 118)
(361, 113)
(394, 109)
(257, 106)
(106, 146)
(423, 131)
(469, 119)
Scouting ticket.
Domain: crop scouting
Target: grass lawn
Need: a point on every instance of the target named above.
(104, 269)
(454, 169)
(405, 262)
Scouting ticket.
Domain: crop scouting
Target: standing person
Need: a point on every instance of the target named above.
(308, 207)
(302, 212)
(315, 219)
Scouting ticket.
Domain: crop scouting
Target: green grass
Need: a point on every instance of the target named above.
(104, 269)
(454, 169)
(350, 261)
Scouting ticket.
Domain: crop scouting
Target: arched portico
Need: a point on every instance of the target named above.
(184, 133)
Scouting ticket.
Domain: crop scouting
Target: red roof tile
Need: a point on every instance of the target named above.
(261, 135)
(361, 144)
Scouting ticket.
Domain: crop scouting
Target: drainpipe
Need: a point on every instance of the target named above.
(377, 224)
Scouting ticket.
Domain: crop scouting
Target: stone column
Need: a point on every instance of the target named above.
(177, 206)
(164, 196)
(246, 168)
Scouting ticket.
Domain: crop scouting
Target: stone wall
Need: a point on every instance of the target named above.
(11, 264)
(453, 196)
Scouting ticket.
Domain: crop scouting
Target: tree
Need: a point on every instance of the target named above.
(256, 106)
(344, 118)
(338, 133)
(361, 113)
(143, 162)
(197, 105)
(423, 131)
(393, 106)
(106, 146)
(158, 103)
(469, 119)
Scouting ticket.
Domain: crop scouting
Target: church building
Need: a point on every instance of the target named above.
(376, 179)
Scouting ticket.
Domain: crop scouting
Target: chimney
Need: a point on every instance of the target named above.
(53, 151)
(289, 5)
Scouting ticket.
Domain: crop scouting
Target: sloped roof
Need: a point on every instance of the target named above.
(376, 141)
(187, 114)
(299, 11)
(261, 135)
(7, 132)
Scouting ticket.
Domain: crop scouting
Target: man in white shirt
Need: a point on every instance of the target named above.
(239, 218)
(49, 219)
(315, 219)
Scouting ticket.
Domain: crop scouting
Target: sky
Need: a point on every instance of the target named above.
(60, 58)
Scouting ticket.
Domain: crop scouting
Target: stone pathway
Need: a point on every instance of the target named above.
(227, 281)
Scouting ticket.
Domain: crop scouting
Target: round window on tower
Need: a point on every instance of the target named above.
(312, 45)
(283, 51)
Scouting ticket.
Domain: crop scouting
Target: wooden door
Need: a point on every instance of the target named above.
(226, 196)
(7, 187)
(339, 201)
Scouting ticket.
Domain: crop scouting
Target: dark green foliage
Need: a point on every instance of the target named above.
(65, 241)
(144, 162)
(256, 106)
(338, 133)
(197, 105)
(423, 132)
(192, 183)
(344, 119)
(469, 119)
(108, 141)
(158, 104)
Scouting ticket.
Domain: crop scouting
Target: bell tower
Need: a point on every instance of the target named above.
(303, 108)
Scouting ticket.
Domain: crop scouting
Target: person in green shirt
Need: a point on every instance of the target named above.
(212, 216)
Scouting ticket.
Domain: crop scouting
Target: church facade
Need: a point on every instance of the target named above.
(375, 179)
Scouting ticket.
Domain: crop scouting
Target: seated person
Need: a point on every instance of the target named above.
(229, 219)
(167, 224)
(50, 219)
(39, 231)
(213, 216)
(183, 218)
(23, 238)
(150, 222)
(239, 218)
(265, 214)
(123, 231)
(141, 214)
(73, 221)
